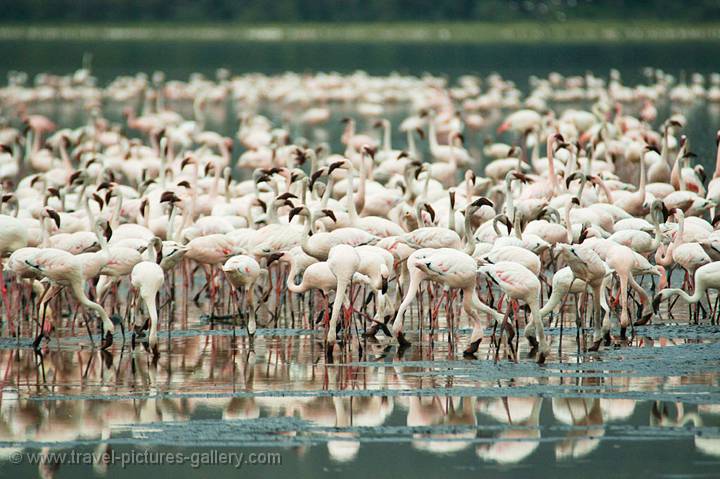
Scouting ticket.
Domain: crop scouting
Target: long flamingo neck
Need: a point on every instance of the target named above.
(118, 209)
(643, 174)
(352, 210)
(606, 190)
(509, 201)
(339, 300)
(65, 158)
(46, 225)
(432, 135)
(193, 209)
(411, 144)
(387, 139)
(152, 311)
(451, 219)
(681, 230)
(663, 255)
(469, 237)
(216, 183)
(665, 148)
(360, 200)
(568, 224)
(453, 154)
(551, 163)
(349, 132)
(328, 191)
(171, 223)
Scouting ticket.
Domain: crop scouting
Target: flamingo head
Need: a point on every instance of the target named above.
(315, 176)
(369, 150)
(656, 303)
(51, 213)
(330, 214)
(298, 210)
(272, 257)
(336, 165)
(482, 201)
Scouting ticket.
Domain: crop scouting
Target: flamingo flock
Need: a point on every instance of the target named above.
(498, 210)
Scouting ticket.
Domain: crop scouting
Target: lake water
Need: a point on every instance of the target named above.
(650, 408)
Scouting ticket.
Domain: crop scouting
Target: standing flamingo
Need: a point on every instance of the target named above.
(65, 270)
(454, 269)
(147, 277)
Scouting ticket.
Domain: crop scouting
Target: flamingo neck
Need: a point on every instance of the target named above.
(194, 207)
(101, 238)
(328, 191)
(420, 219)
(606, 190)
(663, 255)
(350, 196)
(676, 177)
(469, 236)
(28, 147)
(568, 224)
(681, 230)
(215, 184)
(509, 201)
(451, 219)
(313, 162)
(65, 158)
(146, 215)
(349, 132)
(432, 135)
(305, 243)
(170, 234)
(118, 208)
(551, 164)
(44, 231)
(453, 156)
(360, 201)
(292, 274)
(665, 148)
(412, 149)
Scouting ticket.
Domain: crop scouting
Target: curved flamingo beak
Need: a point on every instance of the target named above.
(656, 303)
(273, 257)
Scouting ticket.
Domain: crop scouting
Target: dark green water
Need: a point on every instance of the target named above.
(516, 61)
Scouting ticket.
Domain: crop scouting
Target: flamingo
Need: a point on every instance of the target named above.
(454, 269)
(243, 272)
(147, 277)
(65, 270)
(344, 262)
(706, 277)
(519, 283)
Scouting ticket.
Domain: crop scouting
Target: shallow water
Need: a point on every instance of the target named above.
(650, 407)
